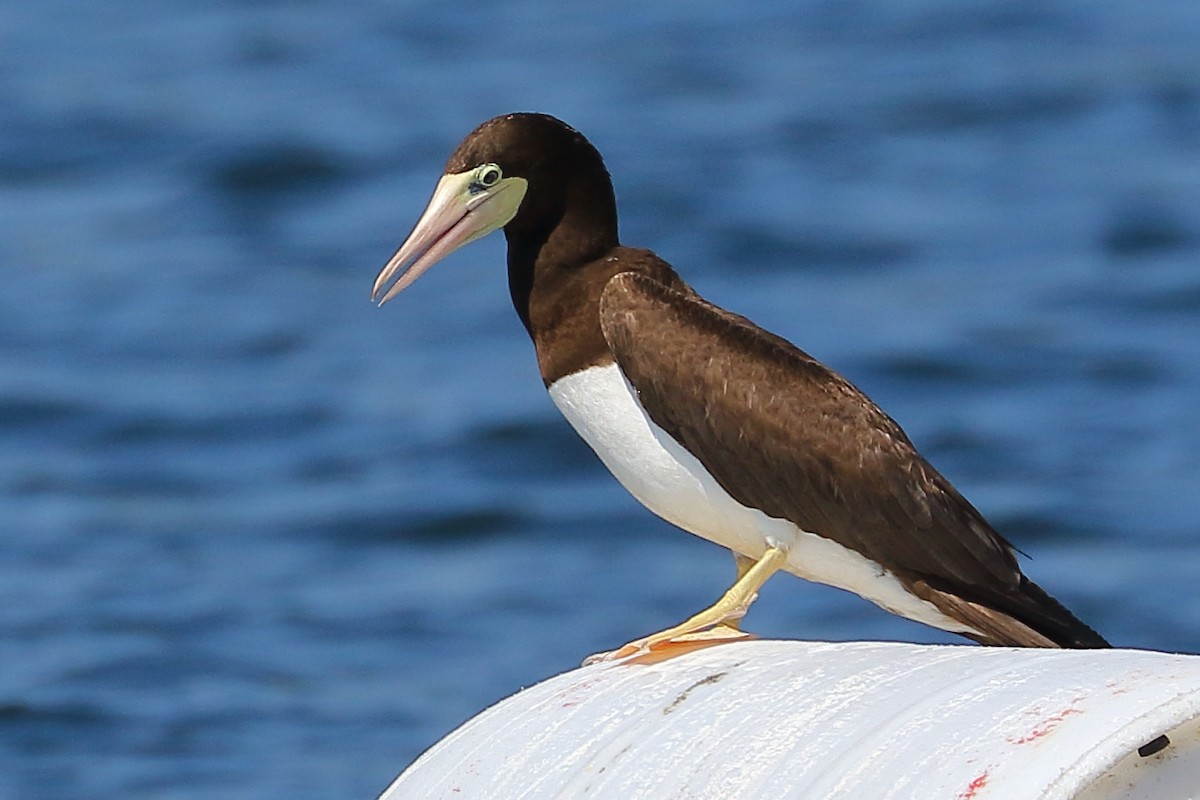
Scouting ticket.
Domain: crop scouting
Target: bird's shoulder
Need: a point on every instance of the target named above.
(783, 433)
(564, 308)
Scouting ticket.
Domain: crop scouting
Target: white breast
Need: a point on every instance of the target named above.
(604, 410)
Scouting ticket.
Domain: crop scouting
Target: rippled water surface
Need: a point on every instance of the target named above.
(263, 540)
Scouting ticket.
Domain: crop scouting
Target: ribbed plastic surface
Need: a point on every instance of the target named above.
(783, 719)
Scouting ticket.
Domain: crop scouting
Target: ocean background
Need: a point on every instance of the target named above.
(259, 539)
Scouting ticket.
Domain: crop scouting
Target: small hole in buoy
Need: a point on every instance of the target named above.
(1150, 748)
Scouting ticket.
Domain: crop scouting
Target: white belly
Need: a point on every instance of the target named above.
(602, 407)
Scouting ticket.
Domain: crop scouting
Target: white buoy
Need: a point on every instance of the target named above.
(813, 720)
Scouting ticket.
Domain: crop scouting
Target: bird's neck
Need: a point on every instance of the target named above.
(541, 263)
(558, 299)
(555, 237)
(555, 280)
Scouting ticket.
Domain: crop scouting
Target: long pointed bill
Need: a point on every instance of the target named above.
(459, 212)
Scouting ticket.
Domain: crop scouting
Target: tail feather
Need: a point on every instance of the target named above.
(1033, 619)
(1057, 622)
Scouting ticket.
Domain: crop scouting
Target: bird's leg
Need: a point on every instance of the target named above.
(718, 621)
(744, 564)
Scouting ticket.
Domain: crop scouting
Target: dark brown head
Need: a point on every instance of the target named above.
(531, 174)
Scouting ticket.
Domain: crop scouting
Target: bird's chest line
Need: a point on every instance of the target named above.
(658, 471)
(604, 411)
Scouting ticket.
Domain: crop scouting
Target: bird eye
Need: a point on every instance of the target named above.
(488, 175)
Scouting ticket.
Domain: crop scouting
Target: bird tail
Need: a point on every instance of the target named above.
(1030, 618)
(1056, 622)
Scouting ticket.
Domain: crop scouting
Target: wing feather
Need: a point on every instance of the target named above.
(781, 432)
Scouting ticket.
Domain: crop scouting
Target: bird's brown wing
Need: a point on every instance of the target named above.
(782, 433)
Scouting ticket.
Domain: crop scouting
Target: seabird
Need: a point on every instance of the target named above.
(714, 424)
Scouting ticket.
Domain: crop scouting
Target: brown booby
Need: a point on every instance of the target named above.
(714, 424)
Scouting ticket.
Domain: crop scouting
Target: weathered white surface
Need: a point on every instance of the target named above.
(771, 719)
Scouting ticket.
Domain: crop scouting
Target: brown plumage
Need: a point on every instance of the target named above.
(776, 429)
(783, 433)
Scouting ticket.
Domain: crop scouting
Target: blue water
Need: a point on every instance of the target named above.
(261, 539)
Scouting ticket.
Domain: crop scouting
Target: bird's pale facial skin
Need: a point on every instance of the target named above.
(465, 206)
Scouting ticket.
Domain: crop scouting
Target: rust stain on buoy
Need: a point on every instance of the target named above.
(975, 785)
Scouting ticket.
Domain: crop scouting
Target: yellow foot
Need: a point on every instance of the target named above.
(653, 649)
(718, 623)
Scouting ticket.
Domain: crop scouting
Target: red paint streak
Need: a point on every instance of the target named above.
(1046, 726)
(974, 786)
